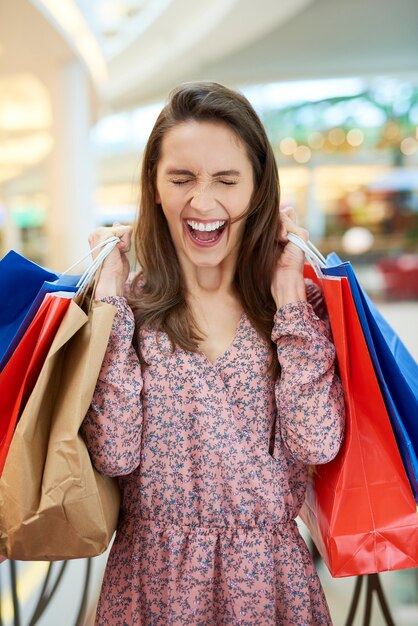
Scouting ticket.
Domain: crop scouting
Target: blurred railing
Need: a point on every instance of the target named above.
(53, 578)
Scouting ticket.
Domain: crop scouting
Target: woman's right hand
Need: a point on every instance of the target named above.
(115, 269)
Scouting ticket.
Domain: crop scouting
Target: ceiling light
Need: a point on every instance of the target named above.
(288, 145)
(72, 23)
(302, 154)
(24, 103)
(28, 150)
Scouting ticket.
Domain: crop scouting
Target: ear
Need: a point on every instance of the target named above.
(157, 197)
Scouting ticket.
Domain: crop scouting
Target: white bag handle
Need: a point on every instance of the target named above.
(99, 245)
(88, 276)
(311, 252)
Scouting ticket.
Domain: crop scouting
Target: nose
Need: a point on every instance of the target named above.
(203, 197)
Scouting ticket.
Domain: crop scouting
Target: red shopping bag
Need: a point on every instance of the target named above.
(19, 376)
(359, 508)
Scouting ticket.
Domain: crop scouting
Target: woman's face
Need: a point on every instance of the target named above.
(204, 180)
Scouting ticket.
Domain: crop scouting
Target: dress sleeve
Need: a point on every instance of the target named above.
(113, 424)
(308, 391)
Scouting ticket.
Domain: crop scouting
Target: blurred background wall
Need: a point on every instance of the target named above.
(335, 82)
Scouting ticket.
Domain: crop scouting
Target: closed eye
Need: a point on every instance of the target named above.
(180, 182)
(188, 180)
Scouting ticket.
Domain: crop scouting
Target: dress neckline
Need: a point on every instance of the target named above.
(229, 349)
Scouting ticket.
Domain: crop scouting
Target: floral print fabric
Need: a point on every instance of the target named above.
(212, 463)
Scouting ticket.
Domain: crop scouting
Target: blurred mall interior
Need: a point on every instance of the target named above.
(334, 81)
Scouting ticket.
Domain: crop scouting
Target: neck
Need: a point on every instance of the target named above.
(204, 283)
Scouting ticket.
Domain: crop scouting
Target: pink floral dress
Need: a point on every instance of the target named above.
(212, 463)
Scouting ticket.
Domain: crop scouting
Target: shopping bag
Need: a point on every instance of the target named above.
(395, 368)
(53, 504)
(22, 368)
(359, 508)
(23, 285)
(21, 371)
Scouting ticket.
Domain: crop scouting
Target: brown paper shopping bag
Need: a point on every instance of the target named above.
(53, 504)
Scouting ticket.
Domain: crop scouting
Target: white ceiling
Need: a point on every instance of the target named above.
(188, 37)
(28, 42)
(157, 43)
(149, 46)
(244, 41)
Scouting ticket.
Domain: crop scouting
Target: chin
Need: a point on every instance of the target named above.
(207, 264)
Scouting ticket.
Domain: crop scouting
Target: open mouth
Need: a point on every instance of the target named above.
(206, 233)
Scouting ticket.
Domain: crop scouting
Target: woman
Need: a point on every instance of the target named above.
(211, 420)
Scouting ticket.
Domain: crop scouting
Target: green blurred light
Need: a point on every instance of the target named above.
(28, 216)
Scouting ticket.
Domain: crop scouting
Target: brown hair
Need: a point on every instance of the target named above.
(162, 303)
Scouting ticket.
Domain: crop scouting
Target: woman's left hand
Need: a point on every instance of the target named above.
(288, 283)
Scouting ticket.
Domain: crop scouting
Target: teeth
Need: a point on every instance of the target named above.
(206, 227)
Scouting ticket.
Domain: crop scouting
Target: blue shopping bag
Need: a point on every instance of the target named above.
(23, 285)
(395, 368)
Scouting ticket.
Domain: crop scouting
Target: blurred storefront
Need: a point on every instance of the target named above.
(348, 163)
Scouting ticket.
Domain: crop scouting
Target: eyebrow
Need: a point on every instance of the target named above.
(175, 172)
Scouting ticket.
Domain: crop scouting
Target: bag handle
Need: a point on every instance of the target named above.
(88, 276)
(311, 252)
(86, 256)
(91, 275)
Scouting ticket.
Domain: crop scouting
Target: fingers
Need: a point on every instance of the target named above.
(289, 212)
(289, 225)
(124, 233)
(102, 233)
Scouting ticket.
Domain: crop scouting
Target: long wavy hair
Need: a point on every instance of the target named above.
(161, 302)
